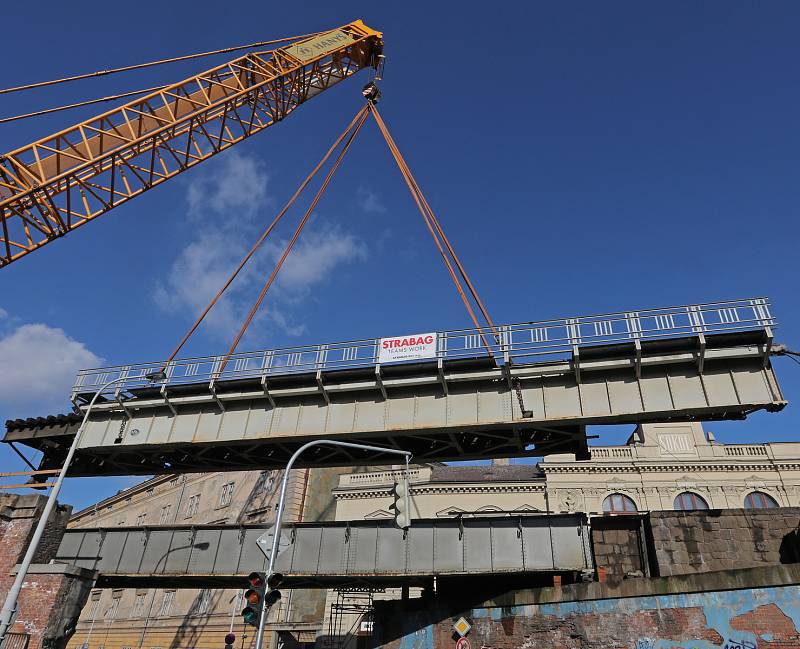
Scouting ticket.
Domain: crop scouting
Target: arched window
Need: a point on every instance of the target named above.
(618, 504)
(687, 501)
(759, 500)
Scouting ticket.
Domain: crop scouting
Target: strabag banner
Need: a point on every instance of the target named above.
(407, 348)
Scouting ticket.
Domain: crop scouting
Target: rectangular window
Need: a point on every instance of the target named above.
(95, 609)
(166, 603)
(112, 612)
(140, 519)
(192, 505)
(226, 495)
(204, 601)
(163, 518)
(264, 483)
(138, 605)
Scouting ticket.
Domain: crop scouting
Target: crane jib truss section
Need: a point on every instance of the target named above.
(65, 180)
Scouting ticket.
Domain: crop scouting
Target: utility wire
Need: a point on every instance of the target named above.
(139, 66)
(792, 357)
(781, 350)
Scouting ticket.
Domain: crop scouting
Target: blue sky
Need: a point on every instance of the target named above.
(583, 157)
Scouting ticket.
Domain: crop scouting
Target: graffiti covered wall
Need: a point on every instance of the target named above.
(756, 618)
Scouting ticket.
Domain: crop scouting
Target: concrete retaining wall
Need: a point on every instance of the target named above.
(763, 617)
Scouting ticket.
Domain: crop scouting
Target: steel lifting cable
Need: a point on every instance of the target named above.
(438, 244)
(149, 64)
(361, 118)
(263, 237)
(434, 227)
(399, 157)
(447, 243)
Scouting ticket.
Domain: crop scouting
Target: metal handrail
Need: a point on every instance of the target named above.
(513, 342)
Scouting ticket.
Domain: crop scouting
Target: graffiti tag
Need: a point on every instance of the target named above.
(656, 643)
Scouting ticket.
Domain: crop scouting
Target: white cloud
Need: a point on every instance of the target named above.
(3, 314)
(234, 188)
(40, 364)
(198, 272)
(316, 256)
(205, 263)
(369, 201)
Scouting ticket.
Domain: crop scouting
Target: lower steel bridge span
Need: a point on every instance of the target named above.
(335, 554)
(542, 384)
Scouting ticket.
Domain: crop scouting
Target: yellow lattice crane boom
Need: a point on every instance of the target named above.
(62, 181)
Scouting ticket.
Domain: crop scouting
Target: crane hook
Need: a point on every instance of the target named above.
(371, 92)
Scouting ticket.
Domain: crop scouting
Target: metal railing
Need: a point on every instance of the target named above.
(547, 339)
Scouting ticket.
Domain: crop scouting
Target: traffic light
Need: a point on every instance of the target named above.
(273, 594)
(254, 598)
(261, 594)
(229, 640)
(402, 516)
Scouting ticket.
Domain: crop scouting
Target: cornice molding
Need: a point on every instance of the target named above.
(694, 465)
(433, 488)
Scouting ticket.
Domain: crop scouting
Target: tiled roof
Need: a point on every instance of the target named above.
(41, 422)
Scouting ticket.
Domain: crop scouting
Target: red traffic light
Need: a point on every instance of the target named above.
(252, 596)
(255, 579)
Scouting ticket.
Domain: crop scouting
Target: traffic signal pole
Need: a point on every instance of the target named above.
(281, 501)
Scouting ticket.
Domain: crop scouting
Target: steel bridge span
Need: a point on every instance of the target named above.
(335, 554)
(542, 384)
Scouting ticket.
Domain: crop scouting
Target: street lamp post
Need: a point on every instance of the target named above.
(279, 514)
(10, 605)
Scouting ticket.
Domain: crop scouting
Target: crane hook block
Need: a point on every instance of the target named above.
(371, 92)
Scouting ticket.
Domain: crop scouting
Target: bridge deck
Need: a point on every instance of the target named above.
(332, 554)
(529, 398)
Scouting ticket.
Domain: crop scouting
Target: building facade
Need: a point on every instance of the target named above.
(674, 466)
(661, 467)
(189, 618)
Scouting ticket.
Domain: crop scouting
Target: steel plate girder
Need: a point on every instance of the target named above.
(461, 411)
(472, 418)
(330, 553)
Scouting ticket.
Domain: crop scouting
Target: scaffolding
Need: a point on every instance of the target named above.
(349, 614)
